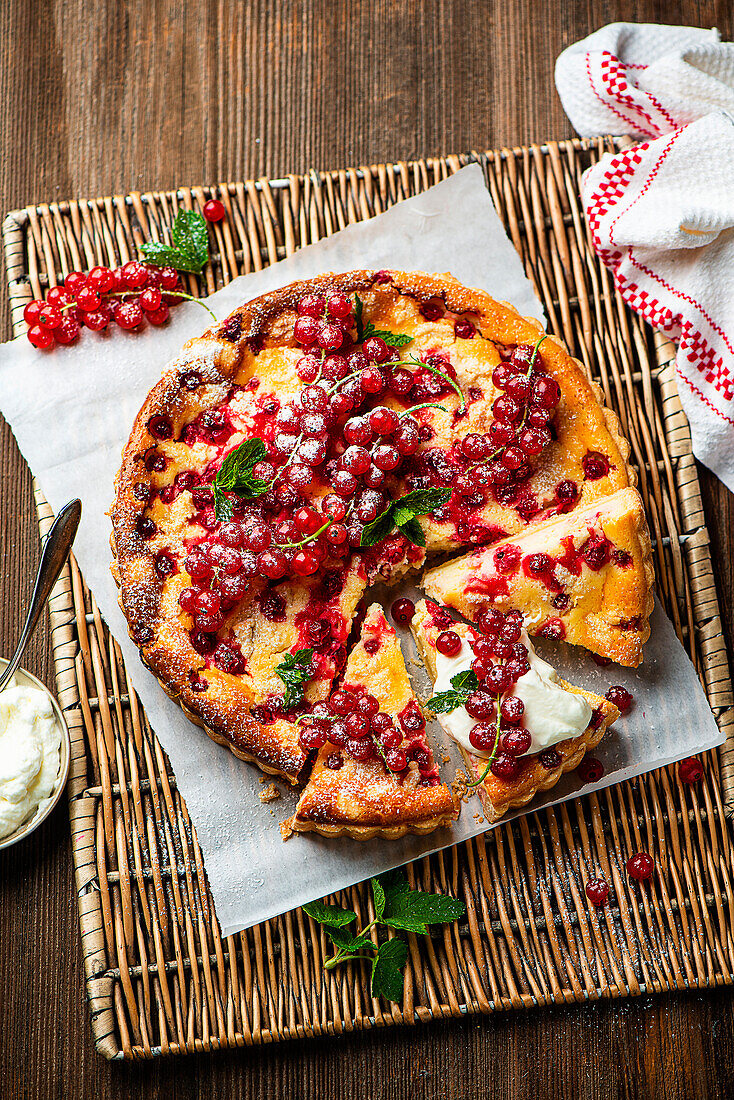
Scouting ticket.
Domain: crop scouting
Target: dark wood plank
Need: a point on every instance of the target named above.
(108, 97)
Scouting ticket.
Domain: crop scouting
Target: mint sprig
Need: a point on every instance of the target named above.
(365, 331)
(235, 476)
(295, 672)
(463, 684)
(392, 339)
(189, 250)
(402, 513)
(397, 907)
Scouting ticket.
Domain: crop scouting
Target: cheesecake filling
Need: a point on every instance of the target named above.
(552, 713)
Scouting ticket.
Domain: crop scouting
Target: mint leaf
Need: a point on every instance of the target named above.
(463, 684)
(364, 331)
(446, 701)
(191, 238)
(395, 339)
(387, 970)
(414, 911)
(379, 896)
(394, 885)
(295, 672)
(401, 513)
(346, 941)
(238, 465)
(332, 915)
(190, 248)
(162, 255)
(466, 681)
(423, 501)
(222, 504)
(413, 531)
(392, 339)
(358, 308)
(235, 476)
(378, 529)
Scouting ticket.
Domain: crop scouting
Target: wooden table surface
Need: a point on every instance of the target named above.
(126, 94)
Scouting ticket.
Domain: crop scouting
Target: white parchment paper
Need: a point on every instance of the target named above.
(71, 412)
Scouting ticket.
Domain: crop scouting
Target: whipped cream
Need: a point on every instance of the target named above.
(552, 713)
(30, 743)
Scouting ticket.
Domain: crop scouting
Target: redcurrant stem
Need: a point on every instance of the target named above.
(279, 473)
(321, 367)
(383, 754)
(439, 374)
(344, 955)
(520, 427)
(309, 538)
(533, 357)
(339, 958)
(343, 381)
(425, 405)
(490, 759)
(120, 295)
(191, 298)
(322, 718)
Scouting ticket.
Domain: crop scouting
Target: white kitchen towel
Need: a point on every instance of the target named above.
(644, 79)
(661, 213)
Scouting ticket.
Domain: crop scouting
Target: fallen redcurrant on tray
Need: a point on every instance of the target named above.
(590, 769)
(690, 771)
(597, 891)
(214, 210)
(640, 866)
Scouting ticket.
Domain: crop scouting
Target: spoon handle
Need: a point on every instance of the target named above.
(56, 547)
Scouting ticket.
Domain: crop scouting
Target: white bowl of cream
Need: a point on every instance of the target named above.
(34, 755)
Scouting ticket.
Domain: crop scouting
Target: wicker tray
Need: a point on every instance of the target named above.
(160, 978)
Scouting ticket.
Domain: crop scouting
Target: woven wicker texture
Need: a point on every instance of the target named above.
(160, 978)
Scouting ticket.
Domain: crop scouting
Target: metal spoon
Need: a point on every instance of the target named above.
(56, 547)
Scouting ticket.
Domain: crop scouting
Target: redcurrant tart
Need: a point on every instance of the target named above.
(277, 563)
(388, 783)
(593, 561)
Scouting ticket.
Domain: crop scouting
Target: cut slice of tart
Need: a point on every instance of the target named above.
(586, 577)
(518, 724)
(374, 774)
